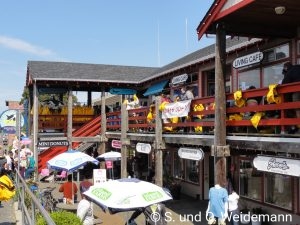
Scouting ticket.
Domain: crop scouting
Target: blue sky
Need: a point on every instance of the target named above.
(133, 32)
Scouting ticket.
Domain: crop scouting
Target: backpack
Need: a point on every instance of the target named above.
(7, 188)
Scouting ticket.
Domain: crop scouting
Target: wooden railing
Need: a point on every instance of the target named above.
(275, 117)
(59, 122)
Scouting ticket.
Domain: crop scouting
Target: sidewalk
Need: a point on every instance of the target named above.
(7, 213)
(186, 211)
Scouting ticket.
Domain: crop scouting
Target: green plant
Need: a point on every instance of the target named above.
(60, 218)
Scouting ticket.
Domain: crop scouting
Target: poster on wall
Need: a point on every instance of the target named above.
(99, 176)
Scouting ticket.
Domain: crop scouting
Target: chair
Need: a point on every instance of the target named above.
(44, 173)
(62, 176)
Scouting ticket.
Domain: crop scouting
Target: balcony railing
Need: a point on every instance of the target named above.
(276, 119)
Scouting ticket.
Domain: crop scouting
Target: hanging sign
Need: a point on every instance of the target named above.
(116, 144)
(49, 144)
(143, 148)
(272, 164)
(247, 60)
(176, 109)
(191, 153)
(179, 79)
(8, 121)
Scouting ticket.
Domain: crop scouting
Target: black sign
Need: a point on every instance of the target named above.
(52, 143)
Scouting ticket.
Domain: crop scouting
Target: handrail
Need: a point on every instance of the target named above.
(27, 217)
(137, 119)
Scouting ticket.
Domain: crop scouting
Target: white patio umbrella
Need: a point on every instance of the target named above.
(126, 194)
(110, 156)
(70, 160)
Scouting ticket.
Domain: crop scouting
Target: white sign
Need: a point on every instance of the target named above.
(99, 176)
(176, 109)
(143, 148)
(248, 60)
(179, 79)
(116, 144)
(191, 153)
(277, 165)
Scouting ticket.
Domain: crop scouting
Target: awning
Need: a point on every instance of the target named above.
(122, 91)
(156, 88)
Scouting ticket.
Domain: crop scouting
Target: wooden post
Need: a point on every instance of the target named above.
(70, 118)
(124, 141)
(103, 139)
(219, 149)
(35, 127)
(159, 144)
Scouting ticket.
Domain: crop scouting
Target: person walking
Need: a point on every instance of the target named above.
(233, 209)
(217, 208)
(31, 165)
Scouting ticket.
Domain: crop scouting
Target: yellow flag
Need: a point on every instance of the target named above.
(239, 101)
(272, 96)
(256, 118)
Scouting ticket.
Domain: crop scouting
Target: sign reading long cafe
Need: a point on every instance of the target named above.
(279, 165)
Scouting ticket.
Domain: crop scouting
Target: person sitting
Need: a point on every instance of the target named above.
(84, 185)
(85, 208)
(69, 189)
(291, 74)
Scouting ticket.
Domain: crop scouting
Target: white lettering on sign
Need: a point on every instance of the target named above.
(116, 144)
(52, 143)
(179, 79)
(191, 153)
(248, 60)
(277, 165)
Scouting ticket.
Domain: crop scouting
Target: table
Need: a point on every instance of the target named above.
(67, 207)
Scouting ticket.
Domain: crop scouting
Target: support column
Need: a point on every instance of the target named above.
(70, 118)
(35, 127)
(159, 144)
(220, 150)
(103, 139)
(125, 142)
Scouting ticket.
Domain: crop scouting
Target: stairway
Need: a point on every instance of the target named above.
(90, 129)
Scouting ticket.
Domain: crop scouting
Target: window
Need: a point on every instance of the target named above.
(178, 167)
(278, 190)
(277, 53)
(249, 78)
(250, 180)
(272, 74)
(192, 171)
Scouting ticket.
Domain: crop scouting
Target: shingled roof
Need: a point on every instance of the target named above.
(204, 54)
(115, 75)
(81, 72)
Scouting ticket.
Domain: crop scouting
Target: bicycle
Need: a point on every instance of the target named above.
(47, 200)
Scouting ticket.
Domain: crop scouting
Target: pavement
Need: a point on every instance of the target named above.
(186, 211)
